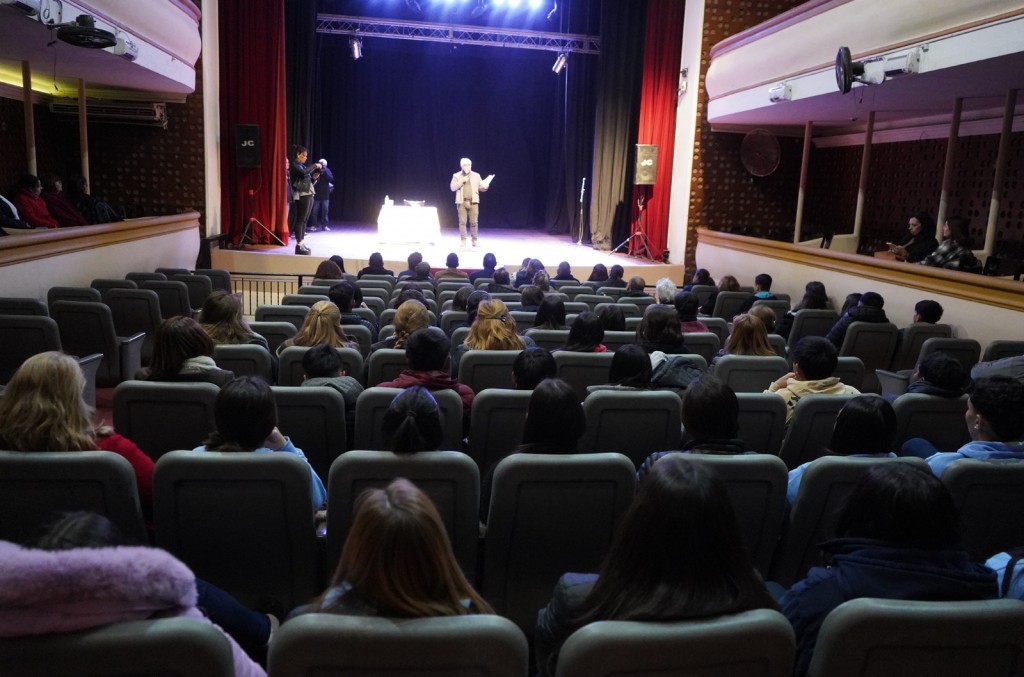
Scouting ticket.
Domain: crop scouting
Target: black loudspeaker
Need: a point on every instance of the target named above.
(247, 145)
(646, 164)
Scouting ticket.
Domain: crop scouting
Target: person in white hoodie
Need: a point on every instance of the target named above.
(814, 361)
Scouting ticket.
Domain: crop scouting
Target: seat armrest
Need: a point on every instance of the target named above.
(90, 365)
(894, 382)
(130, 348)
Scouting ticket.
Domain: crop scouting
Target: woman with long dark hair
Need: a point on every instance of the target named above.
(301, 177)
(677, 554)
(814, 298)
(182, 351)
(586, 334)
(954, 251)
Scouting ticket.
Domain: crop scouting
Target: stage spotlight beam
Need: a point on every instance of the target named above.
(553, 12)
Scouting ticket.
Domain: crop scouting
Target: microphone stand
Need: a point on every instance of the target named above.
(583, 189)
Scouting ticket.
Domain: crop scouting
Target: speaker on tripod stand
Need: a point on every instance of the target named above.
(247, 156)
(645, 171)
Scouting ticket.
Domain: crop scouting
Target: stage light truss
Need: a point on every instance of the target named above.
(424, 31)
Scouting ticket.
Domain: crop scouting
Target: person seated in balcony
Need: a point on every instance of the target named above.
(60, 207)
(919, 242)
(954, 252)
(31, 206)
(94, 209)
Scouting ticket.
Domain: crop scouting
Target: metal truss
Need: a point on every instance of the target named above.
(456, 33)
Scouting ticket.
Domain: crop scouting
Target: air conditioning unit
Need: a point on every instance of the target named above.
(122, 112)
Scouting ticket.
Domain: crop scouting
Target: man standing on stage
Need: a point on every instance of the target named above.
(467, 186)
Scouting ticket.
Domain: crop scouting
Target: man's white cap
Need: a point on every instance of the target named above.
(322, 161)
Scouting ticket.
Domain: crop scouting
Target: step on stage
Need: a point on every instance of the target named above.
(355, 242)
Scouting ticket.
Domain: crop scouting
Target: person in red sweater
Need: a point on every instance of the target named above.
(43, 410)
(30, 206)
(427, 352)
(58, 204)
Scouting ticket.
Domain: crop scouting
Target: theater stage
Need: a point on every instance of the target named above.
(355, 242)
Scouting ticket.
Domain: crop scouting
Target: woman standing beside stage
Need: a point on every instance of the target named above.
(301, 181)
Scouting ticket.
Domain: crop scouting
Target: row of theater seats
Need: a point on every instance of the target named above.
(861, 637)
(243, 521)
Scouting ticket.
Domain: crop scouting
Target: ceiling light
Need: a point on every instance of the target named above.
(560, 62)
(355, 45)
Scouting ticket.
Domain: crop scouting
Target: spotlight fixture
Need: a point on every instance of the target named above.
(553, 12)
(83, 33)
(355, 45)
(560, 62)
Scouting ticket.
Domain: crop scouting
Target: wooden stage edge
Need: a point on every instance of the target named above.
(355, 243)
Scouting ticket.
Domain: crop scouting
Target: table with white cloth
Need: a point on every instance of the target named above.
(402, 224)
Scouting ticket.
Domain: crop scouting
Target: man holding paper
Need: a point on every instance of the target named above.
(467, 186)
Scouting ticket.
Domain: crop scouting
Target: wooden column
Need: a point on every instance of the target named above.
(862, 187)
(947, 172)
(30, 120)
(1002, 158)
(83, 130)
(804, 162)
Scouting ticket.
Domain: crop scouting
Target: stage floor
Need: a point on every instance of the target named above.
(355, 242)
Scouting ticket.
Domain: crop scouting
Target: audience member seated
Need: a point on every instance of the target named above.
(920, 241)
(502, 283)
(659, 335)
(598, 276)
(542, 281)
(938, 374)
(615, 275)
(814, 298)
(531, 296)
(767, 316)
(245, 413)
(635, 288)
(555, 422)
(393, 528)
(924, 311)
(897, 537)
(564, 273)
(338, 261)
(586, 334)
(43, 409)
(473, 302)
(995, 420)
(413, 260)
(630, 370)
(814, 361)
(344, 295)
(532, 366)
(461, 298)
(94, 209)
(452, 272)
(954, 252)
(665, 292)
(412, 422)
(868, 309)
(676, 555)
(550, 313)
(865, 428)
(612, 317)
(322, 366)
(59, 206)
(421, 273)
(492, 328)
(725, 283)
(409, 317)
(182, 351)
(700, 277)
(221, 318)
(762, 291)
(1009, 570)
(85, 574)
(490, 263)
(31, 206)
(408, 292)
(524, 274)
(321, 325)
(748, 337)
(329, 270)
(376, 267)
(1008, 366)
(711, 424)
(10, 218)
(427, 352)
(850, 303)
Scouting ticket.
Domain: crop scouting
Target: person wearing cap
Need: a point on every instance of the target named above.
(322, 188)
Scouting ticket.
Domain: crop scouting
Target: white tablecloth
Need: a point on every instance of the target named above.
(402, 224)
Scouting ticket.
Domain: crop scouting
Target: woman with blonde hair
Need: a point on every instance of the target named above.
(748, 337)
(43, 409)
(397, 561)
(221, 318)
(322, 325)
(493, 329)
(409, 317)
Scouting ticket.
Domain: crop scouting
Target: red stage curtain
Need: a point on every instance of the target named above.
(662, 51)
(252, 91)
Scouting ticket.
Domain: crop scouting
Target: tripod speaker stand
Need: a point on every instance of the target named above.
(247, 234)
(639, 245)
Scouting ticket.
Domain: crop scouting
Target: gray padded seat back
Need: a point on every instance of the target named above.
(312, 289)
(750, 373)
(242, 521)
(613, 340)
(23, 306)
(989, 496)
(642, 301)
(385, 364)
(633, 423)
(527, 550)
(496, 424)
(452, 285)
(450, 317)
(173, 271)
(913, 339)
(104, 285)
(762, 420)
(575, 307)
(249, 359)
(21, 337)
(169, 647)
(296, 315)
(998, 350)
(613, 292)
(450, 478)
(780, 306)
(703, 343)
(380, 293)
(810, 430)
(824, 488)
(289, 369)
(308, 300)
(482, 369)
(965, 351)
(387, 316)
(583, 369)
(778, 344)
(360, 334)
(573, 290)
(874, 343)
(219, 278)
(549, 339)
(371, 281)
(592, 300)
(373, 402)
(199, 288)
(458, 337)
(365, 314)
(87, 327)
(134, 311)
(628, 309)
(811, 322)
(276, 333)
(54, 294)
(756, 484)
(940, 420)
(173, 296)
(728, 304)
(319, 644)
(940, 639)
(703, 292)
(314, 418)
(758, 642)
(717, 326)
(160, 417)
(524, 319)
(377, 305)
(140, 277)
(850, 371)
(35, 487)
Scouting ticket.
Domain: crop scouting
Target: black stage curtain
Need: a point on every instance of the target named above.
(623, 26)
(300, 45)
(396, 122)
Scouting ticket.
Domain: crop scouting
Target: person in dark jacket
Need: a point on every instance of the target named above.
(376, 266)
(868, 309)
(898, 537)
(428, 353)
(919, 242)
(814, 298)
(58, 204)
(323, 184)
